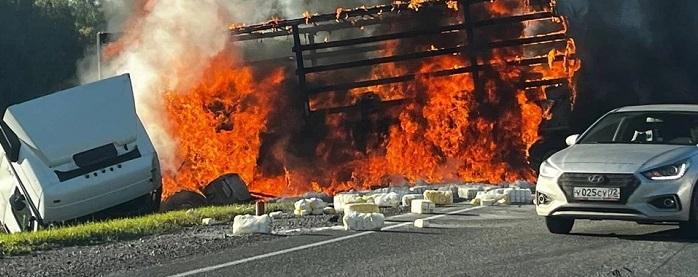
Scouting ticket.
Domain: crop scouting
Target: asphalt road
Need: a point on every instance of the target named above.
(490, 241)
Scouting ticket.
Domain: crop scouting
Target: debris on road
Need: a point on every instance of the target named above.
(487, 201)
(421, 223)
(227, 189)
(407, 199)
(361, 208)
(305, 207)
(260, 207)
(329, 210)
(468, 193)
(210, 221)
(319, 195)
(503, 196)
(439, 197)
(390, 199)
(363, 221)
(452, 188)
(422, 206)
(342, 199)
(276, 215)
(250, 224)
(419, 189)
(519, 196)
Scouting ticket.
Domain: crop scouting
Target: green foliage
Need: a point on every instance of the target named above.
(87, 16)
(40, 45)
(121, 229)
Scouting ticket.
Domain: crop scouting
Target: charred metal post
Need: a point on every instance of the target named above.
(102, 39)
(471, 48)
(99, 56)
(300, 67)
(313, 56)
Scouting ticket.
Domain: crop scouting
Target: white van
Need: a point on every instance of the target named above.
(74, 154)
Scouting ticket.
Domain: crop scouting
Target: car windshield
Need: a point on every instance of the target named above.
(655, 127)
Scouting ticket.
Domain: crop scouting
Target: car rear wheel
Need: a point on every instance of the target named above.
(558, 225)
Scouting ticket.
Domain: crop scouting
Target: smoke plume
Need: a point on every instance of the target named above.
(167, 44)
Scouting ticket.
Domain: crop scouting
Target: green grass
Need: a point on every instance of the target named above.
(121, 229)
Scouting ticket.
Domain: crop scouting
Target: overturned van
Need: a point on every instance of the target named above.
(75, 154)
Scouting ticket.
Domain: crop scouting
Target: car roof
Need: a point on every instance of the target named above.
(659, 107)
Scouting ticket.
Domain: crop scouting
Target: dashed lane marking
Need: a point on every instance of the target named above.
(302, 247)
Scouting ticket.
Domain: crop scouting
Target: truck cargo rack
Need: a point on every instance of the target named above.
(306, 54)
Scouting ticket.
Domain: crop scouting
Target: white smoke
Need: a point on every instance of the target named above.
(183, 34)
(174, 44)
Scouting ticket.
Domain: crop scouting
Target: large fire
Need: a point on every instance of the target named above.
(238, 119)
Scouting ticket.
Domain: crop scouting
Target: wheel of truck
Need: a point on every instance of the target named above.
(154, 201)
(183, 200)
(557, 225)
(689, 228)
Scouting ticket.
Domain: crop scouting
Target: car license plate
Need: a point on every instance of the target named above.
(597, 194)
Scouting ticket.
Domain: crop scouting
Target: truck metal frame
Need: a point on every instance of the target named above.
(360, 17)
(307, 53)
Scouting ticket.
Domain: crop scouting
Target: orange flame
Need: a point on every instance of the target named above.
(446, 132)
(217, 124)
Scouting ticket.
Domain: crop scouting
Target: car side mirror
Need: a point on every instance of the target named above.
(572, 140)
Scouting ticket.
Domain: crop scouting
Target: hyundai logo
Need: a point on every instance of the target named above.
(596, 179)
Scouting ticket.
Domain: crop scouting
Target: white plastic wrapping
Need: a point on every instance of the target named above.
(361, 208)
(309, 206)
(342, 199)
(363, 221)
(250, 224)
(439, 197)
(390, 199)
(422, 206)
(407, 199)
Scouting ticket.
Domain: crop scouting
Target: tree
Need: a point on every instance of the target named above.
(40, 43)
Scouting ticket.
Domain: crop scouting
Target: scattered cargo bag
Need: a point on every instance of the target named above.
(363, 221)
(250, 224)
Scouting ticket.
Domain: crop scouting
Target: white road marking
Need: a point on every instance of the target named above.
(298, 248)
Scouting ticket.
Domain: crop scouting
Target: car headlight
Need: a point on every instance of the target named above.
(547, 170)
(668, 172)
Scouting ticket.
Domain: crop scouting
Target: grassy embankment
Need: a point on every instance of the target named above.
(121, 229)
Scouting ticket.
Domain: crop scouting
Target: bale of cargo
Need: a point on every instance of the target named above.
(363, 221)
(390, 199)
(407, 199)
(467, 193)
(305, 207)
(342, 199)
(422, 206)
(361, 208)
(439, 197)
(251, 224)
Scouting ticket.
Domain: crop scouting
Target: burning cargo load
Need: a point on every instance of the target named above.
(440, 91)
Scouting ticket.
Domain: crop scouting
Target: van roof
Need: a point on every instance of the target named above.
(62, 124)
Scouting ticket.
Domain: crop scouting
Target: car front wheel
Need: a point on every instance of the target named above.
(558, 225)
(690, 227)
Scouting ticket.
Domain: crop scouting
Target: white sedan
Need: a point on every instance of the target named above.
(635, 163)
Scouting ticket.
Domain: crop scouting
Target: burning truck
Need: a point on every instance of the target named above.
(433, 91)
(77, 154)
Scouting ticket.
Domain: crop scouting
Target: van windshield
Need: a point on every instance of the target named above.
(655, 127)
